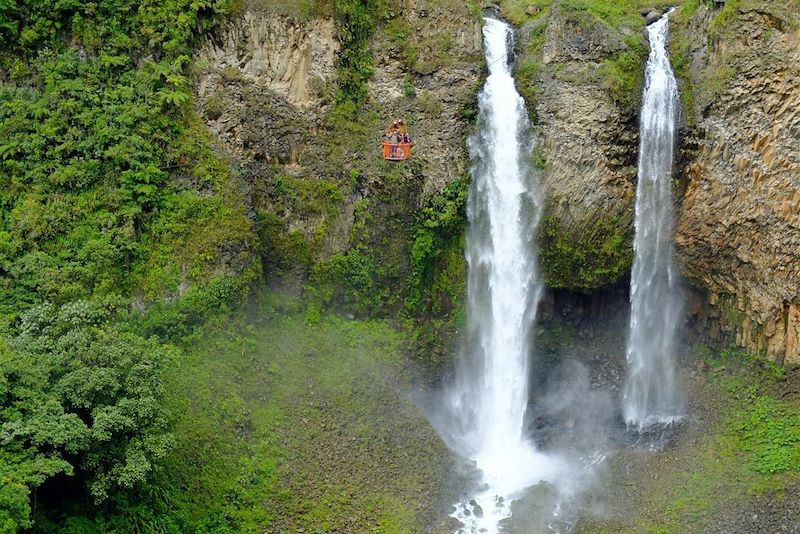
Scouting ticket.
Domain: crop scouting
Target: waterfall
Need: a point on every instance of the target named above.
(489, 397)
(649, 396)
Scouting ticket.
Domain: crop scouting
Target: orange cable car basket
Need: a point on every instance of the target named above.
(396, 152)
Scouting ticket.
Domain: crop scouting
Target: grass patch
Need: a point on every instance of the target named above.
(623, 75)
(518, 12)
(286, 425)
(751, 449)
(619, 13)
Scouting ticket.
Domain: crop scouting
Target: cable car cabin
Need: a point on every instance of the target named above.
(397, 141)
(396, 151)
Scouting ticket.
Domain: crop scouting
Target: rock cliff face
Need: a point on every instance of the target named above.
(267, 87)
(292, 59)
(263, 85)
(431, 73)
(588, 140)
(738, 234)
(587, 146)
(267, 84)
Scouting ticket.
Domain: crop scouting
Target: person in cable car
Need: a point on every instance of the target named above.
(397, 142)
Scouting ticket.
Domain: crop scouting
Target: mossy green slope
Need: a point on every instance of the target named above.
(747, 449)
(285, 425)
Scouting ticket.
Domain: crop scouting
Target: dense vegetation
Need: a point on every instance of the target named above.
(108, 188)
(112, 194)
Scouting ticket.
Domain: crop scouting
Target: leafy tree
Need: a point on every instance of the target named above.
(80, 396)
(21, 467)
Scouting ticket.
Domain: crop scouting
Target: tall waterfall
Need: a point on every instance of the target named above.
(488, 400)
(656, 304)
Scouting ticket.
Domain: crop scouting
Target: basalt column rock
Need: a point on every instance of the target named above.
(587, 149)
(738, 235)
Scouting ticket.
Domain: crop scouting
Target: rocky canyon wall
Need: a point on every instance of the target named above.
(738, 234)
(737, 174)
(588, 138)
(268, 87)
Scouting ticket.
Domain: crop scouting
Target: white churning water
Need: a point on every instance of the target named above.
(650, 396)
(490, 395)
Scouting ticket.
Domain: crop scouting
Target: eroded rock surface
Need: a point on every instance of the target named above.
(738, 235)
(587, 140)
(263, 85)
(588, 143)
(267, 91)
(432, 75)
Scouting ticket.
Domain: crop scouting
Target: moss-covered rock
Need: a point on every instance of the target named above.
(599, 256)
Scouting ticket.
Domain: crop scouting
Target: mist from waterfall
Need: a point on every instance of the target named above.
(650, 394)
(487, 402)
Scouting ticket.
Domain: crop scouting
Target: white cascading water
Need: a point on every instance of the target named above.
(650, 396)
(490, 395)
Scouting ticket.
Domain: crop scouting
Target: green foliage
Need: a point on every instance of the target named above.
(468, 103)
(766, 428)
(409, 91)
(303, 9)
(80, 392)
(517, 11)
(526, 74)
(689, 7)
(108, 189)
(747, 445)
(725, 15)
(100, 178)
(770, 432)
(702, 85)
(309, 196)
(356, 20)
(366, 278)
(437, 237)
(616, 14)
(282, 250)
(174, 321)
(21, 467)
(680, 58)
(107, 25)
(622, 13)
(698, 89)
(349, 281)
(623, 75)
(597, 257)
(353, 142)
(316, 203)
